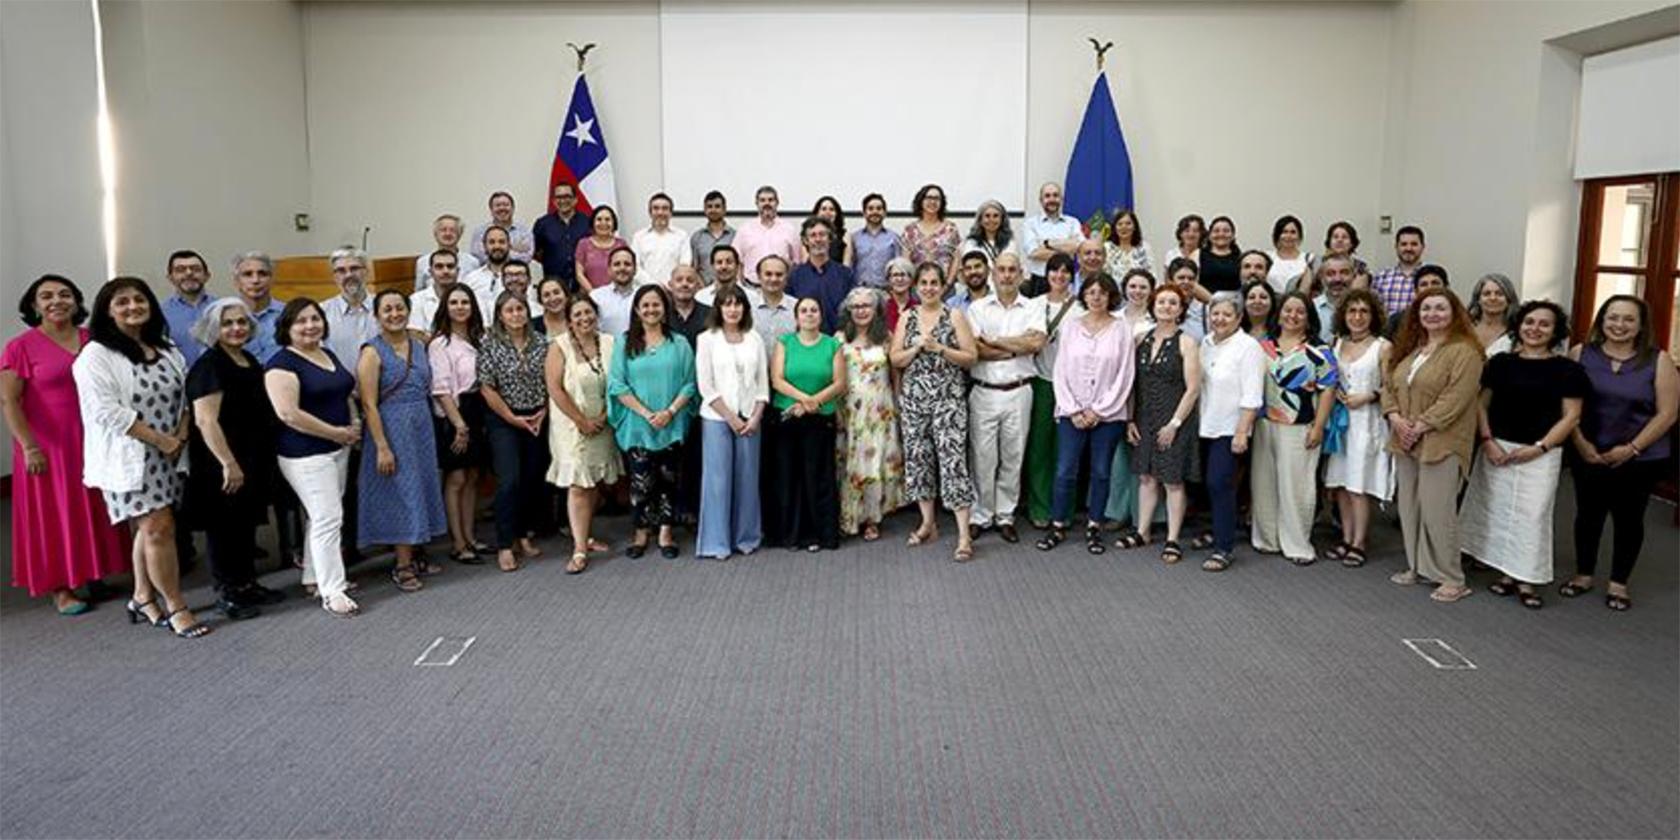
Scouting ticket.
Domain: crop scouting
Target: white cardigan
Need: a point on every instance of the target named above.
(736, 372)
(112, 460)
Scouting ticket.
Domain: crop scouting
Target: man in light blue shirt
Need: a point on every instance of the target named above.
(873, 246)
(1046, 234)
(974, 276)
(612, 301)
(521, 244)
(253, 278)
(1335, 276)
(189, 274)
(350, 318)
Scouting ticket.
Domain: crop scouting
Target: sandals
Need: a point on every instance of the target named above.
(1202, 541)
(1302, 561)
(407, 578)
(1503, 587)
(513, 564)
(1618, 603)
(1052, 537)
(871, 533)
(963, 554)
(137, 613)
(467, 557)
(579, 562)
(1132, 539)
(1218, 561)
(1530, 599)
(923, 536)
(426, 568)
(1406, 578)
(1353, 557)
(191, 631)
(1337, 551)
(340, 606)
(1171, 553)
(1094, 539)
(1571, 590)
(1445, 594)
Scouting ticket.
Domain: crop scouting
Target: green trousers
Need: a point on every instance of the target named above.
(1039, 469)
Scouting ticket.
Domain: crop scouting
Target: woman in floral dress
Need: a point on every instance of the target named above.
(871, 462)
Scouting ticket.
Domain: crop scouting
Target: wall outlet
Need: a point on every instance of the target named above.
(301, 221)
(1385, 224)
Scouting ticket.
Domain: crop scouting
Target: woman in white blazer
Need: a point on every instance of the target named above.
(131, 383)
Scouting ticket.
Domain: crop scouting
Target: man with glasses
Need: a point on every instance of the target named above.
(556, 235)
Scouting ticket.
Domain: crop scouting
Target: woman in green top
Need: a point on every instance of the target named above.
(651, 386)
(808, 374)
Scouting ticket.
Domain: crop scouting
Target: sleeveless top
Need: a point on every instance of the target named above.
(933, 375)
(1621, 402)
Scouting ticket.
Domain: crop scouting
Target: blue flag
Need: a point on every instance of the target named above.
(1099, 173)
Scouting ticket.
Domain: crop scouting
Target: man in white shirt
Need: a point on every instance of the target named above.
(659, 247)
(486, 280)
(1008, 332)
(350, 318)
(423, 305)
(446, 232)
(613, 299)
(765, 236)
(726, 272)
(521, 245)
(773, 314)
(1047, 234)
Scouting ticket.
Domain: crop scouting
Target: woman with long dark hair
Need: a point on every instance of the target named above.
(585, 458)
(510, 376)
(1124, 248)
(732, 376)
(131, 382)
(458, 416)
(1301, 380)
(652, 391)
(62, 535)
(1623, 441)
(828, 209)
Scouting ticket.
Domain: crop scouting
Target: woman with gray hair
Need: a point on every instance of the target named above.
(872, 483)
(900, 275)
(231, 450)
(990, 234)
(1492, 303)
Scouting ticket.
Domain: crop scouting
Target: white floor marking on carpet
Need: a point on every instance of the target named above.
(1440, 654)
(455, 644)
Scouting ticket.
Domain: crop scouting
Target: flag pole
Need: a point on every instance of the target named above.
(582, 53)
(1102, 49)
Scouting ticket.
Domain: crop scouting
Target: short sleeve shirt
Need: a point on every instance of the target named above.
(1526, 395)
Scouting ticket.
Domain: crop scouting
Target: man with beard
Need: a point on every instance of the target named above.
(446, 232)
(486, 280)
(873, 246)
(1393, 285)
(188, 273)
(612, 301)
(973, 274)
(766, 236)
(1255, 265)
(726, 273)
(423, 305)
(1047, 234)
(350, 319)
(556, 237)
(715, 232)
(1335, 277)
(520, 243)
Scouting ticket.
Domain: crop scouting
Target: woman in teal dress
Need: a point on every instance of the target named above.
(651, 394)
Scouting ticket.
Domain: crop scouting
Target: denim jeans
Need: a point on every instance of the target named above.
(730, 519)
(1222, 492)
(1071, 445)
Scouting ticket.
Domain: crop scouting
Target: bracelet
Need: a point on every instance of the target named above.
(1635, 447)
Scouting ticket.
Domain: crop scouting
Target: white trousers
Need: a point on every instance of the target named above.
(318, 481)
(1283, 484)
(997, 437)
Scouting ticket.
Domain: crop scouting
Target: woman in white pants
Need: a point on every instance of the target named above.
(1301, 379)
(313, 395)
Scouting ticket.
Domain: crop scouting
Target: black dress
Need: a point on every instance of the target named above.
(1221, 274)
(248, 424)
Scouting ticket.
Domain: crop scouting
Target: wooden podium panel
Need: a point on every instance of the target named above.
(312, 276)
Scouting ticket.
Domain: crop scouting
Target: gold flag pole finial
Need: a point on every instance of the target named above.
(1102, 50)
(582, 53)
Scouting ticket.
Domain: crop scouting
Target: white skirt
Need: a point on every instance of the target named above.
(1506, 520)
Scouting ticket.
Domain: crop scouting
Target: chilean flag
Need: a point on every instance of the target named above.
(580, 158)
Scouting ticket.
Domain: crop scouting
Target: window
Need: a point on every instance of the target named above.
(1630, 244)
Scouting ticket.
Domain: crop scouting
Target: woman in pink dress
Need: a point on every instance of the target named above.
(62, 536)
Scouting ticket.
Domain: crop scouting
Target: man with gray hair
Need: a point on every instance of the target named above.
(1335, 277)
(446, 232)
(253, 279)
(1008, 333)
(350, 318)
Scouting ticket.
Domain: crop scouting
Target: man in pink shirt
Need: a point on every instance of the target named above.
(765, 236)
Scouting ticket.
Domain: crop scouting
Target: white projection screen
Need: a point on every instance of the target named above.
(816, 100)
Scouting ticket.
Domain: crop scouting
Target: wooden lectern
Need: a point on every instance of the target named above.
(312, 277)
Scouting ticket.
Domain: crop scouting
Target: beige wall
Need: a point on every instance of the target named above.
(207, 103)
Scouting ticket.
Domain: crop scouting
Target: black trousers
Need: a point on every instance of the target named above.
(520, 460)
(803, 505)
(688, 484)
(232, 543)
(1621, 494)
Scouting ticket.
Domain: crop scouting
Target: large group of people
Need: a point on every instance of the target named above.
(792, 385)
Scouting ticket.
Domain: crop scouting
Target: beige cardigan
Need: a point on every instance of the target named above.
(1444, 395)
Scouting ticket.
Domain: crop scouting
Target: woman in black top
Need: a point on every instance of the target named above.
(1222, 257)
(231, 452)
(1531, 401)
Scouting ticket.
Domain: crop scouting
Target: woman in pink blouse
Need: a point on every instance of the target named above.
(458, 410)
(595, 250)
(1093, 384)
(932, 237)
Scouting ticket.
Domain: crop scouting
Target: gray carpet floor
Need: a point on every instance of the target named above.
(876, 691)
